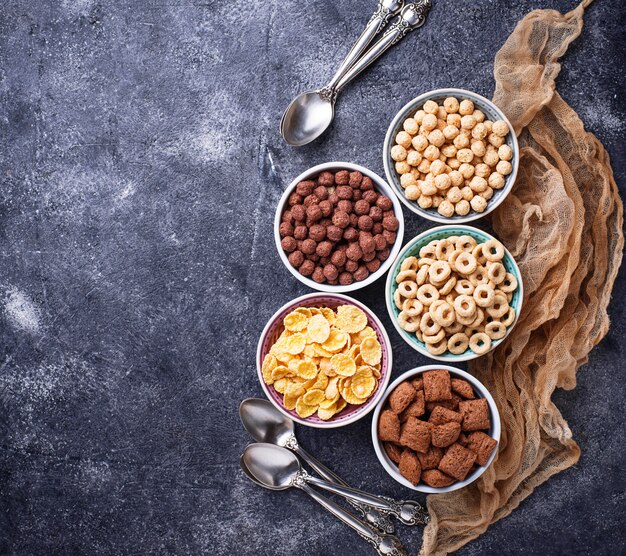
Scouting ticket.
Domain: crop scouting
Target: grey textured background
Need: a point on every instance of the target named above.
(141, 166)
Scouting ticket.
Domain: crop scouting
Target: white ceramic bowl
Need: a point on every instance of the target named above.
(380, 185)
(274, 328)
(412, 248)
(480, 391)
(491, 111)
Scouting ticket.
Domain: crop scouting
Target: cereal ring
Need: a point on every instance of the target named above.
(484, 295)
(455, 327)
(397, 299)
(495, 330)
(464, 287)
(428, 325)
(439, 271)
(465, 263)
(419, 335)
(509, 284)
(429, 251)
(427, 293)
(407, 289)
(496, 272)
(412, 307)
(478, 319)
(499, 306)
(406, 275)
(437, 349)
(510, 317)
(458, 343)
(410, 263)
(433, 306)
(466, 321)
(452, 257)
(444, 315)
(450, 299)
(448, 286)
(465, 306)
(493, 250)
(444, 248)
(435, 339)
(479, 276)
(408, 323)
(480, 343)
(466, 243)
(425, 262)
(478, 253)
(422, 275)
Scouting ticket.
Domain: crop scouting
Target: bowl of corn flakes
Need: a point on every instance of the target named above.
(324, 360)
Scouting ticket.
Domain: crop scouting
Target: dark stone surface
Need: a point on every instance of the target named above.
(141, 166)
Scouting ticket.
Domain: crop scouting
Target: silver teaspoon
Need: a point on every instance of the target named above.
(385, 544)
(266, 424)
(276, 465)
(310, 113)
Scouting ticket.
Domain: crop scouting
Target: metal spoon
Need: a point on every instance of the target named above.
(310, 114)
(273, 464)
(266, 424)
(385, 545)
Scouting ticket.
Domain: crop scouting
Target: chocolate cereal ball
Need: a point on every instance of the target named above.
(333, 198)
(326, 207)
(384, 203)
(354, 252)
(391, 223)
(300, 232)
(342, 177)
(294, 199)
(298, 212)
(380, 242)
(314, 213)
(285, 229)
(357, 194)
(327, 179)
(366, 223)
(317, 232)
(361, 207)
(367, 257)
(370, 196)
(361, 273)
(338, 258)
(373, 265)
(376, 214)
(351, 266)
(377, 228)
(341, 219)
(355, 179)
(344, 192)
(318, 275)
(345, 205)
(307, 268)
(296, 258)
(383, 255)
(331, 272)
(310, 200)
(308, 246)
(334, 233)
(289, 244)
(366, 243)
(346, 278)
(305, 188)
(367, 184)
(321, 192)
(350, 234)
(389, 236)
(324, 248)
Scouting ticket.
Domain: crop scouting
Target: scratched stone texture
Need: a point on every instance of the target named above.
(140, 168)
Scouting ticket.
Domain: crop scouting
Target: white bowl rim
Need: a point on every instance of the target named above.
(391, 468)
(381, 186)
(388, 300)
(435, 216)
(369, 405)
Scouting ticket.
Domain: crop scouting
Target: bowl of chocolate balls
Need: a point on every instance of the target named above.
(338, 227)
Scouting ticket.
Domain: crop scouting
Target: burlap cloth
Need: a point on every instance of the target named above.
(563, 224)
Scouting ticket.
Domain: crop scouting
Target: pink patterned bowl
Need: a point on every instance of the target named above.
(273, 330)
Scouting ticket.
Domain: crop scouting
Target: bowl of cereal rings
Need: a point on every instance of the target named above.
(451, 156)
(324, 360)
(338, 227)
(454, 293)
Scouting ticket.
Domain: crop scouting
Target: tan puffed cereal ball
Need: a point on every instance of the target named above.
(461, 141)
(478, 184)
(464, 155)
(479, 115)
(466, 107)
(425, 201)
(437, 167)
(478, 203)
(445, 208)
(482, 170)
(504, 167)
(441, 124)
(478, 148)
(413, 192)
(479, 131)
(419, 143)
(450, 132)
(415, 173)
(467, 193)
(491, 158)
(495, 140)
(419, 117)
(505, 152)
(411, 126)
(467, 170)
(442, 182)
(408, 179)
(487, 193)
(468, 122)
(500, 128)
(451, 105)
(436, 137)
(413, 158)
(454, 194)
(428, 187)
(462, 208)
(403, 167)
(442, 113)
(437, 200)
(456, 178)
(453, 163)
(398, 153)
(496, 180)
(424, 166)
(403, 138)
(488, 126)
(430, 107)
(429, 122)
(431, 152)
(454, 119)
(449, 151)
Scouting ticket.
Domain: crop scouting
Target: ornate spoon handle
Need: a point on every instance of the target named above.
(411, 17)
(385, 10)
(385, 545)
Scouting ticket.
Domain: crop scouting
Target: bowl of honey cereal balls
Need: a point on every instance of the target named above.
(338, 227)
(454, 293)
(451, 155)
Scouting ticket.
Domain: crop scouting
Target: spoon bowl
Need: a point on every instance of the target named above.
(264, 422)
(307, 117)
(271, 466)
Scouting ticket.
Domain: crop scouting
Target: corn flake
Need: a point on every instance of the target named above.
(295, 321)
(371, 351)
(295, 344)
(343, 364)
(306, 370)
(318, 329)
(351, 319)
(336, 340)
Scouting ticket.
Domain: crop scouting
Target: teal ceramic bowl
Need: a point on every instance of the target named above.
(412, 249)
